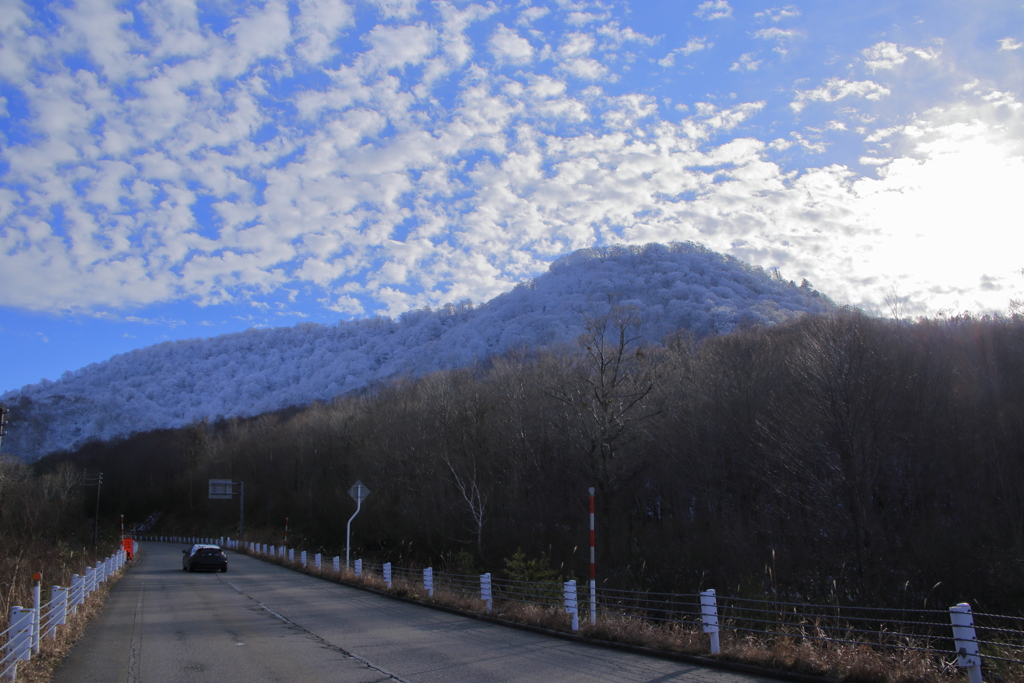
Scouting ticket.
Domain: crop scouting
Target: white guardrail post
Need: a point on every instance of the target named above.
(337, 563)
(58, 613)
(58, 610)
(428, 581)
(485, 591)
(77, 591)
(968, 655)
(317, 559)
(359, 568)
(19, 639)
(709, 618)
(303, 559)
(37, 612)
(291, 554)
(387, 574)
(571, 603)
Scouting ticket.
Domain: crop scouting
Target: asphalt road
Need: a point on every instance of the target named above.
(260, 622)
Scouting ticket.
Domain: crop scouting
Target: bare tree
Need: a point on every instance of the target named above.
(897, 303)
(603, 390)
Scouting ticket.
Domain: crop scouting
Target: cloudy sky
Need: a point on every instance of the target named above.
(174, 169)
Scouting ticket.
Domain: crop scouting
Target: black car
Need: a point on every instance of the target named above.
(201, 556)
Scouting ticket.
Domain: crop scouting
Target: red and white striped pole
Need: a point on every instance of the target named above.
(593, 571)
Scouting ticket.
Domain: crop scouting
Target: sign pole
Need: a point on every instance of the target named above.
(96, 525)
(224, 489)
(358, 492)
(241, 511)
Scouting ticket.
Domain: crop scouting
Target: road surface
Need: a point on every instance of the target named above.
(261, 622)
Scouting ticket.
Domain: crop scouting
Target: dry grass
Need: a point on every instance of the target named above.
(55, 562)
(672, 637)
(848, 662)
(52, 652)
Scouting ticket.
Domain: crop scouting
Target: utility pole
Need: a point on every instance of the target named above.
(97, 480)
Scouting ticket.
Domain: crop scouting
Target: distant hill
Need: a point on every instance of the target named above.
(168, 385)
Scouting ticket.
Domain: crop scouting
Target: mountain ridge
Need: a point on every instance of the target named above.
(167, 385)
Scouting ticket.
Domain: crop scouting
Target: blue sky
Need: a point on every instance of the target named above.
(173, 169)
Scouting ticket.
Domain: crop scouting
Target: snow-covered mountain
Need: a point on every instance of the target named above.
(259, 370)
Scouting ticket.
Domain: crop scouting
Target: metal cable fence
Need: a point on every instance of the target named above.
(970, 640)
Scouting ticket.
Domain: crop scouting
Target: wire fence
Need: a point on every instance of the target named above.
(956, 637)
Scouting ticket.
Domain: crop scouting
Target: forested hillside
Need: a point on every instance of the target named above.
(260, 370)
(836, 457)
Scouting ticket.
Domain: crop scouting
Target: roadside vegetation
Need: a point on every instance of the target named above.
(46, 526)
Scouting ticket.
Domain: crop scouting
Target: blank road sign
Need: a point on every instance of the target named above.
(221, 489)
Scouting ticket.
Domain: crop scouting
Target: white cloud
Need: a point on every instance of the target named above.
(882, 133)
(884, 56)
(1006, 44)
(692, 45)
(400, 46)
(586, 69)
(508, 46)
(389, 191)
(584, 18)
(776, 34)
(816, 146)
(746, 63)
(532, 14)
(713, 9)
(629, 110)
(710, 120)
(318, 24)
(616, 36)
(837, 89)
(888, 56)
(577, 45)
(777, 14)
(396, 9)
